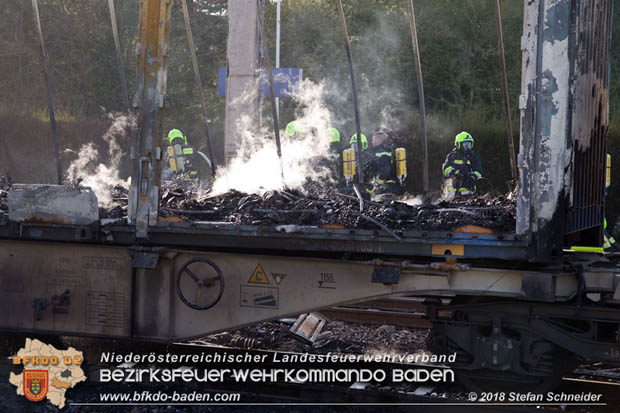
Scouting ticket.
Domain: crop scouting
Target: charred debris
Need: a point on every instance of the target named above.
(327, 207)
(320, 207)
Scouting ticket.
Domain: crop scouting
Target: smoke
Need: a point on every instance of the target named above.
(256, 168)
(88, 166)
(387, 100)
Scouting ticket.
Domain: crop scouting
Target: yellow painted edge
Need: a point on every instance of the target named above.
(455, 249)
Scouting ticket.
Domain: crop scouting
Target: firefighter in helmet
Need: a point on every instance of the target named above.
(364, 140)
(183, 159)
(383, 165)
(366, 156)
(462, 167)
(334, 153)
(294, 129)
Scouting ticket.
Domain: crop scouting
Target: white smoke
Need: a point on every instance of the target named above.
(256, 168)
(102, 177)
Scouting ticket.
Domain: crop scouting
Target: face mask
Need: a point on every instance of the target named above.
(467, 146)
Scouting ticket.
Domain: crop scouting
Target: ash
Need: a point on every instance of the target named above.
(314, 205)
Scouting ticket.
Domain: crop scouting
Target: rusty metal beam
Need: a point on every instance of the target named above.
(152, 51)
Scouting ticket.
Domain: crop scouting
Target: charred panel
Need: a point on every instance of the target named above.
(564, 119)
(590, 119)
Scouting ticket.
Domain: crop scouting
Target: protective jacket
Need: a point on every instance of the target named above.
(383, 169)
(464, 168)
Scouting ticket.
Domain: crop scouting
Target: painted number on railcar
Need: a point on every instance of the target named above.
(327, 280)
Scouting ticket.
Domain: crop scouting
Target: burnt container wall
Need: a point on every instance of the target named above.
(545, 146)
(561, 187)
(590, 119)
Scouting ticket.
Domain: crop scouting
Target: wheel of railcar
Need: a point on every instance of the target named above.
(200, 283)
(495, 351)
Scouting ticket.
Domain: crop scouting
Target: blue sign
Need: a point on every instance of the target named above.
(285, 81)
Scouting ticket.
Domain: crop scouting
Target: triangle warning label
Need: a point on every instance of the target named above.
(278, 277)
(259, 276)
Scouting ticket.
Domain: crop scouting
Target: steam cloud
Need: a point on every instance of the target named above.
(102, 177)
(256, 168)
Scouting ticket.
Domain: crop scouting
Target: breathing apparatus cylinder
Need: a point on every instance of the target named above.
(348, 165)
(401, 165)
(608, 171)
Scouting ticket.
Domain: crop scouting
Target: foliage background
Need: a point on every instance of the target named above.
(459, 57)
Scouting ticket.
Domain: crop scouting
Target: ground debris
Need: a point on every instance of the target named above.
(339, 337)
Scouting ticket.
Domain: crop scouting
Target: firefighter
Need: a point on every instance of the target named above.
(383, 165)
(462, 167)
(334, 150)
(334, 153)
(364, 153)
(609, 242)
(364, 144)
(294, 129)
(366, 156)
(183, 159)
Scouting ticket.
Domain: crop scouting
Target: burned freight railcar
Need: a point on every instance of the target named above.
(520, 311)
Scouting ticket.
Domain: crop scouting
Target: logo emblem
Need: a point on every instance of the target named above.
(36, 384)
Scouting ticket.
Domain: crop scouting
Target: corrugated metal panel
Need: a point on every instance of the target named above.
(590, 118)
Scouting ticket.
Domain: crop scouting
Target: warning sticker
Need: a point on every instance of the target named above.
(259, 276)
(263, 297)
(278, 277)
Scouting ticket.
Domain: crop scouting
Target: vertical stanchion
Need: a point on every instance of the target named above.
(198, 80)
(152, 60)
(502, 64)
(5, 158)
(418, 70)
(278, 49)
(272, 96)
(358, 129)
(50, 96)
(119, 55)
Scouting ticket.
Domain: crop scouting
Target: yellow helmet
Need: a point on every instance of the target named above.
(175, 134)
(462, 138)
(364, 141)
(333, 134)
